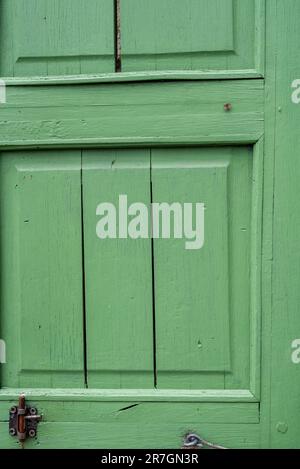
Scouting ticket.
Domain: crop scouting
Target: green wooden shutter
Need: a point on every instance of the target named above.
(132, 343)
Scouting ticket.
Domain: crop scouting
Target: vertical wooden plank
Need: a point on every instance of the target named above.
(284, 113)
(117, 275)
(268, 208)
(256, 336)
(191, 304)
(41, 271)
(200, 293)
(260, 36)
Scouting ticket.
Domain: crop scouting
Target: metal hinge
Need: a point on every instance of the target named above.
(23, 420)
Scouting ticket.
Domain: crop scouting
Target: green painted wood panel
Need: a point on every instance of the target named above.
(281, 394)
(131, 395)
(41, 271)
(56, 37)
(235, 425)
(133, 113)
(157, 114)
(192, 35)
(118, 275)
(202, 297)
(163, 435)
(151, 412)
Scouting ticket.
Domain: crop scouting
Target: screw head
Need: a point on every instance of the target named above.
(32, 411)
(282, 427)
(13, 409)
(32, 433)
(12, 432)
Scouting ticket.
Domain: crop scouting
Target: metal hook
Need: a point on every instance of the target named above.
(192, 440)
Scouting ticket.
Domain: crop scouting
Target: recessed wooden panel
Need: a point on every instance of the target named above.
(191, 35)
(202, 297)
(56, 37)
(41, 270)
(117, 274)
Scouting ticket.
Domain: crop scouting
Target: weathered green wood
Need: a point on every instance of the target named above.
(267, 247)
(151, 412)
(56, 37)
(172, 113)
(132, 435)
(192, 35)
(201, 303)
(131, 114)
(132, 395)
(256, 335)
(177, 75)
(141, 425)
(118, 275)
(194, 313)
(41, 279)
(282, 123)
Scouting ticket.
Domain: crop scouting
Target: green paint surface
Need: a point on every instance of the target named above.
(56, 37)
(41, 279)
(192, 35)
(136, 342)
(118, 275)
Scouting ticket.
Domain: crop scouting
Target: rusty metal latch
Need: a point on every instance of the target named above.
(23, 420)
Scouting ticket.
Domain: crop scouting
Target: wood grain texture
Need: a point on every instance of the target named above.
(49, 38)
(118, 274)
(56, 435)
(71, 103)
(192, 35)
(152, 412)
(144, 425)
(41, 275)
(130, 114)
(281, 393)
(132, 395)
(128, 77)
(210, 288)
(56, 37)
